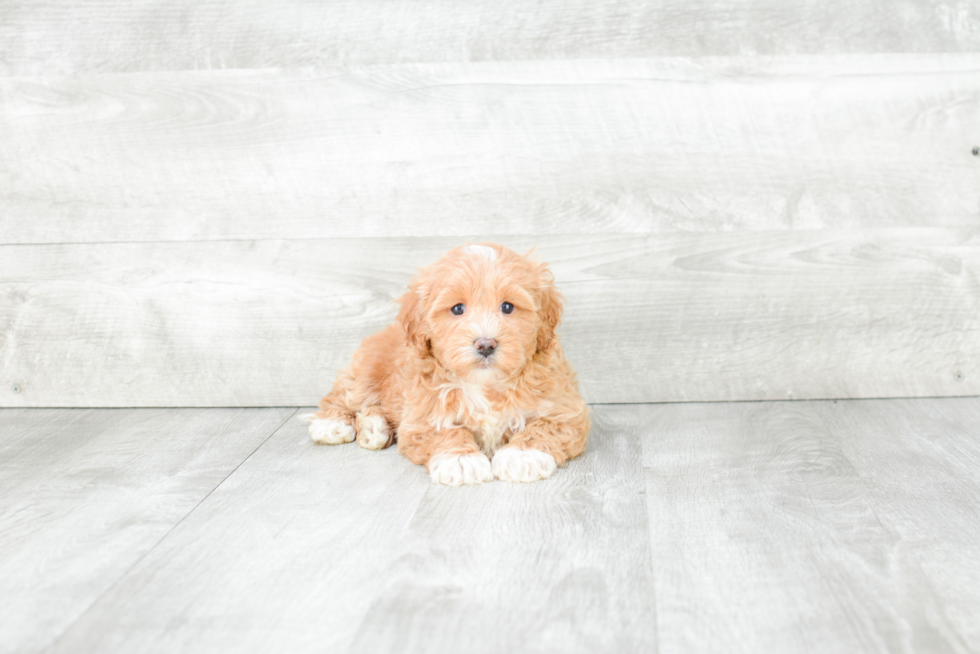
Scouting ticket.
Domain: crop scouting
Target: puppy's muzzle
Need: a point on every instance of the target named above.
(485, 346)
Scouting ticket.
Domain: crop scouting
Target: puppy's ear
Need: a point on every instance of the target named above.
(550, 301)
(410, 318)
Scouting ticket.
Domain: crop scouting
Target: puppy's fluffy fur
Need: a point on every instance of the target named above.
(515, 415)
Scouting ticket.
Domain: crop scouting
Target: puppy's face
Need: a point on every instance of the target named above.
(482, 311)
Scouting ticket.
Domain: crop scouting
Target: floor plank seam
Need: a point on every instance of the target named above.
(795, 399)
(136, 563)
(591, 404)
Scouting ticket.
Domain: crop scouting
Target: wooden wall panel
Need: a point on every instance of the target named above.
(210, 203)
(40, 37)
(739, 316)
(531, 148)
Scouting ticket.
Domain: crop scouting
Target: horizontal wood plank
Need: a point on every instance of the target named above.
(44, 36)
(535, 148)
(770, 535)
(682, 317)
(86, 494)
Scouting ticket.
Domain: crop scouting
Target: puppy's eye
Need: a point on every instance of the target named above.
(507, 307)
(458, 310)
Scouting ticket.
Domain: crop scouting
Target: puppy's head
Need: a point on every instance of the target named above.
(482, 310)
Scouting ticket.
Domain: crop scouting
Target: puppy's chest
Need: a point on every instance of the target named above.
(491, 428)
(490, 419)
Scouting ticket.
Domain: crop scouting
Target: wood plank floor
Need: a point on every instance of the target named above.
(757, 527)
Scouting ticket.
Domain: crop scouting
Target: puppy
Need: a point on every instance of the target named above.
(470, 380)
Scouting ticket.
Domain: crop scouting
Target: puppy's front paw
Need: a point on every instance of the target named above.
(330, 432)
(372, 432)
(512, 464)
(456, 469)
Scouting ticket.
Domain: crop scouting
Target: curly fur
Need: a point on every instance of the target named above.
(440, 399)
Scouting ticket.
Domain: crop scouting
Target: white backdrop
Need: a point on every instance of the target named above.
(211, 203)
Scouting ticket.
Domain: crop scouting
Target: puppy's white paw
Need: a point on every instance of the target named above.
(330, 432)
(372, 432)
(456, 469)
(512, 464)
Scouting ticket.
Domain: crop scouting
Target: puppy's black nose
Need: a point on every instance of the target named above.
(485, 346)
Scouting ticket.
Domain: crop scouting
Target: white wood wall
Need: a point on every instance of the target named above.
(211, 203)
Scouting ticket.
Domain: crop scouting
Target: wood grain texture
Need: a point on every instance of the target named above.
(751, 315)
(536, 148)
(527, 568)
(921, 460)
(40, 37)
(285, 556)
(312, 549)
(84, 495)
(770, 535)
(784, 527)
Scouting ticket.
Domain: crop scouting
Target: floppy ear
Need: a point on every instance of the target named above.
(550, 301)
(410, 318)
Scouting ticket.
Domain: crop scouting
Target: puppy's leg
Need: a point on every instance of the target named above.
(540, 448)
(334, 422)
(451, 456)
(373, 430)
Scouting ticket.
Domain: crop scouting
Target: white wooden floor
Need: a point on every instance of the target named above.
(741, 527)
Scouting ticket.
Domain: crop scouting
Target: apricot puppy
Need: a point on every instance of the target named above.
(470, 379)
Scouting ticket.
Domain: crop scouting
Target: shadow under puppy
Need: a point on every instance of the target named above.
(470, 380)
